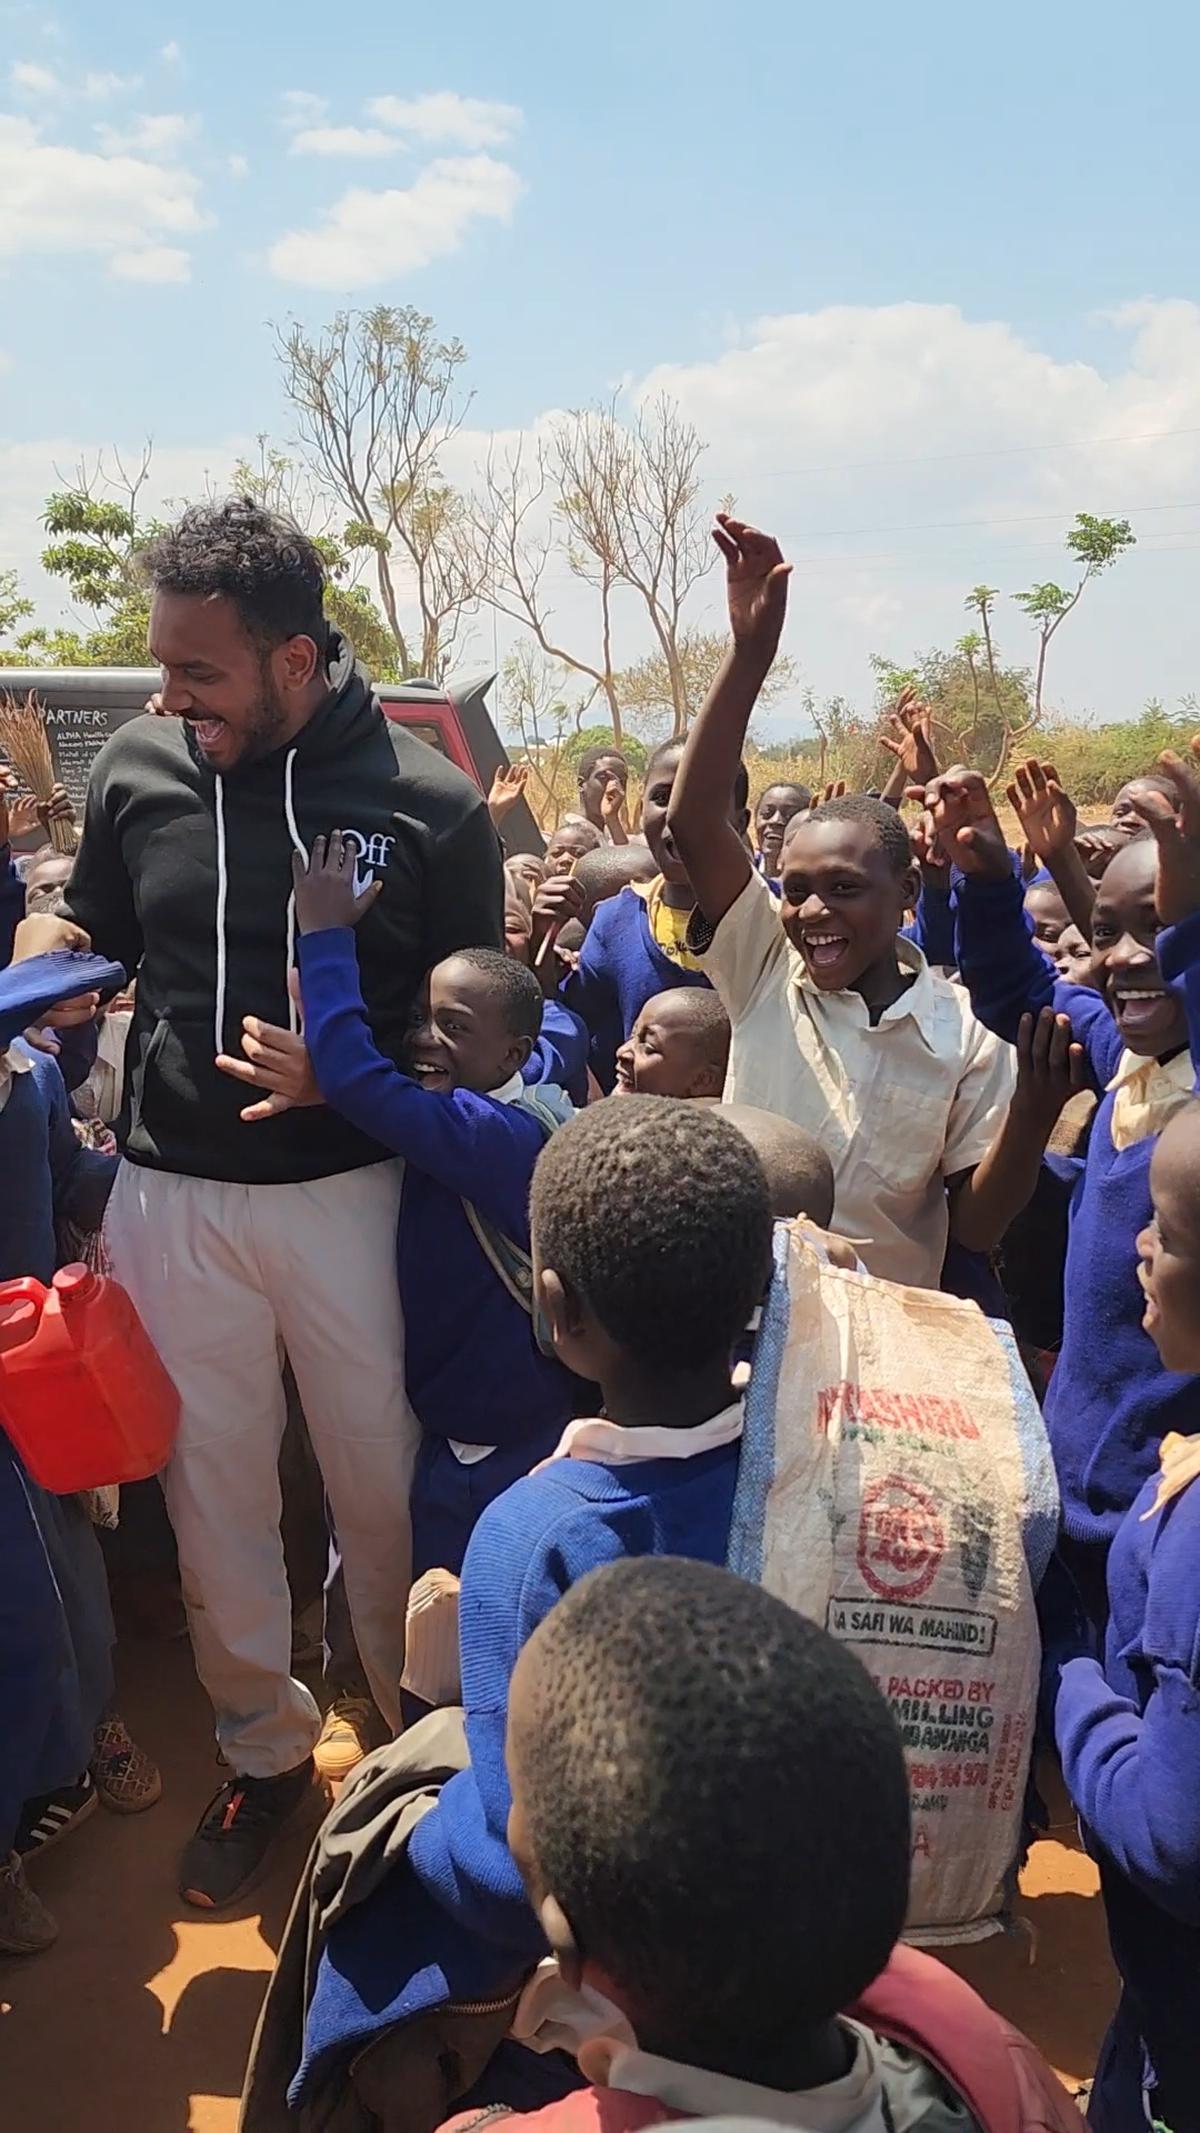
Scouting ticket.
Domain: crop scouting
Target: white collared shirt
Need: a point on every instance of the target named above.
(900, 1106)
(609, 1444)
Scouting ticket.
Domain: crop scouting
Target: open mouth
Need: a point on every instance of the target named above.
(824, 951)
(208, 731)
(428, 1075)
(1142, 1011)
(625, 1083)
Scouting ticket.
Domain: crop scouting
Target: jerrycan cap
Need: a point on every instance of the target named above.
(75, 1283)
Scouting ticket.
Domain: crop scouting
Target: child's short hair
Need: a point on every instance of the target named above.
(613, 867)
(655, 1215)
(741, 776)
(519, 991)
(600, 752)
(715, 1793)
(799, 1171)
(890, 833)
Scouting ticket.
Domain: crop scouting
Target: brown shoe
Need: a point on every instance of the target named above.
(123, 1774)
(352, 1728)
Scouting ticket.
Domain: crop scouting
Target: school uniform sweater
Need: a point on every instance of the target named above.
(1110, 1400)
(621, 966)
(472, 1367)
(12, 903)
(1128, 1732)
(47, 1175)
(560, 1055)
(454, 1922)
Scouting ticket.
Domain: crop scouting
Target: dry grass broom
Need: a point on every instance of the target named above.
(24, 740)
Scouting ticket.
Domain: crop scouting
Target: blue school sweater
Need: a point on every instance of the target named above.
(472, 1367)
(1128, 1732)
(46, 1175)
(621, 966)
(1110, 1400)
(453, 1922)
(12, 903)
(560, 1055)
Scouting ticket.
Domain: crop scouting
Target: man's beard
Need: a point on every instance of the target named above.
(266, 723)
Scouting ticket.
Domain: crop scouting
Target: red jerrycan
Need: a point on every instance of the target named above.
(83, 1395)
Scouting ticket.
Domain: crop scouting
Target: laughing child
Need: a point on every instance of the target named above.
(837, 1023)
(1112, 1398)
(1128, 1725)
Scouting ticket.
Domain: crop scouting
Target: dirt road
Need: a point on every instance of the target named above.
(139, 2020)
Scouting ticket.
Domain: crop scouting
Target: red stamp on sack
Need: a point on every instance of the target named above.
(901, 1540)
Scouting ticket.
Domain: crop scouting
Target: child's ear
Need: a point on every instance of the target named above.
(559, 1305)
(519, 1051)
(558, 1931)
(709, 1080)
(910, 887)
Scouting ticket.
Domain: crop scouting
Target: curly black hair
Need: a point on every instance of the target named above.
(260, 561)
(715, 1792)
(517, 989)
(890, 833)
(657, 1215)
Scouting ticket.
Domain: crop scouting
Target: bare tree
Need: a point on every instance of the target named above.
(622, 503)
(537, 711)
(376, 401)
(648, 689)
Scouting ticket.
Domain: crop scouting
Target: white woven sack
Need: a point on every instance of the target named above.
(895, 1486)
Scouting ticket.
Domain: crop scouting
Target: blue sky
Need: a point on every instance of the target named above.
(925, 281)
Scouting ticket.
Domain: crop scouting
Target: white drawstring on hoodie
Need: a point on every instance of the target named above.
(289, 812)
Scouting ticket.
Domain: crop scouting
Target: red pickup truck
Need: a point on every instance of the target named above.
(84, 705)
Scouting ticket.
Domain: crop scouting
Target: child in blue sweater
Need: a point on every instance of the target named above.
(652, 1246)
(490, 1404)
(1111, 1399)
(636, 945)
(1128, 1726)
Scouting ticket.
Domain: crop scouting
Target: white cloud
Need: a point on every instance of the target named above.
(152, 262)
(238, 166)
(171, 54)
(460, 121)
(374, 236)
(161, 134)
(99, 87)
(343, 141)
(65, 200)
(299, 107)
(31, 80)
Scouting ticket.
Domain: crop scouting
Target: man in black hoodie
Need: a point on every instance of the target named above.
(241, 1231)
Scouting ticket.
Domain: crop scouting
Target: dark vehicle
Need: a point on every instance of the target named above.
(84, 705)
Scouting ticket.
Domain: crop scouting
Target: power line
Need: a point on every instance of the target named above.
(955, 525)
(999, 451)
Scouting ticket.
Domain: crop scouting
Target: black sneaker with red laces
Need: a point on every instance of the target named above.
(236, 1832)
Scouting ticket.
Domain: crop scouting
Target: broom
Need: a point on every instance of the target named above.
(25, 742)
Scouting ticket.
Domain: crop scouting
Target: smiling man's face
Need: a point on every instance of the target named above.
(234, 693)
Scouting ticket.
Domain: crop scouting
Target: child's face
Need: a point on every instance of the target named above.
(771, 817)
(518, 929)
(655, 801)
(1048, 912)
(665, 1056)
(46, 880)
(1125, 816)
(1072, 957)
(843, 904)
(1169, 1250)
(569, 843)
(1149, 1017)
(610, 771)
(460, 1038)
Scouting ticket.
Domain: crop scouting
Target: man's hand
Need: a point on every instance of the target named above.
(1050, 1070)
(964, 823)
(1046, 813)
(508, 787)
(756, 585)
(1177, 889)
(324, 886)
(910, 738)
(276, 1060)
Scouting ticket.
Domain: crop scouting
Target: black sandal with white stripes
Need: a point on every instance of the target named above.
(54, 1815)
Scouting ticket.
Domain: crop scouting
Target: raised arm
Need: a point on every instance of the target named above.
(1047, 816)
(909, 741)
(717, 861)
(1051, 1068)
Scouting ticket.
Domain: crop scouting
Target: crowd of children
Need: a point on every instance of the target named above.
(672, 1860)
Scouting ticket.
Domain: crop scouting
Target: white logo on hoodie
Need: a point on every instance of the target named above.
(371, 855)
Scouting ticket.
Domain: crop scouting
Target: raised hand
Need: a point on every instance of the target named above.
(1051, 1068)
(324, 886)
(964, 823)
(910, 738)
(18, 810)
(612, 806)
(1046, 813)
(508, 786)
(836, 789)
(1177, 888)
(756, 584)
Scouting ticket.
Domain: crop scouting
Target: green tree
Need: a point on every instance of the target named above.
(14, 607)
(1095, 543)
(97, 535)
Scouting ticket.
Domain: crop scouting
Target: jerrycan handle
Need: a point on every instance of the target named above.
(21, 1304)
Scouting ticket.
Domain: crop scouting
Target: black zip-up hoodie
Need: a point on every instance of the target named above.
(186, 878)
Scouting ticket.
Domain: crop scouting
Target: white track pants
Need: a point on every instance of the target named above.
(225, 1277)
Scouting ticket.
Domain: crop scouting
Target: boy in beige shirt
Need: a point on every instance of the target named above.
(837, 1023)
